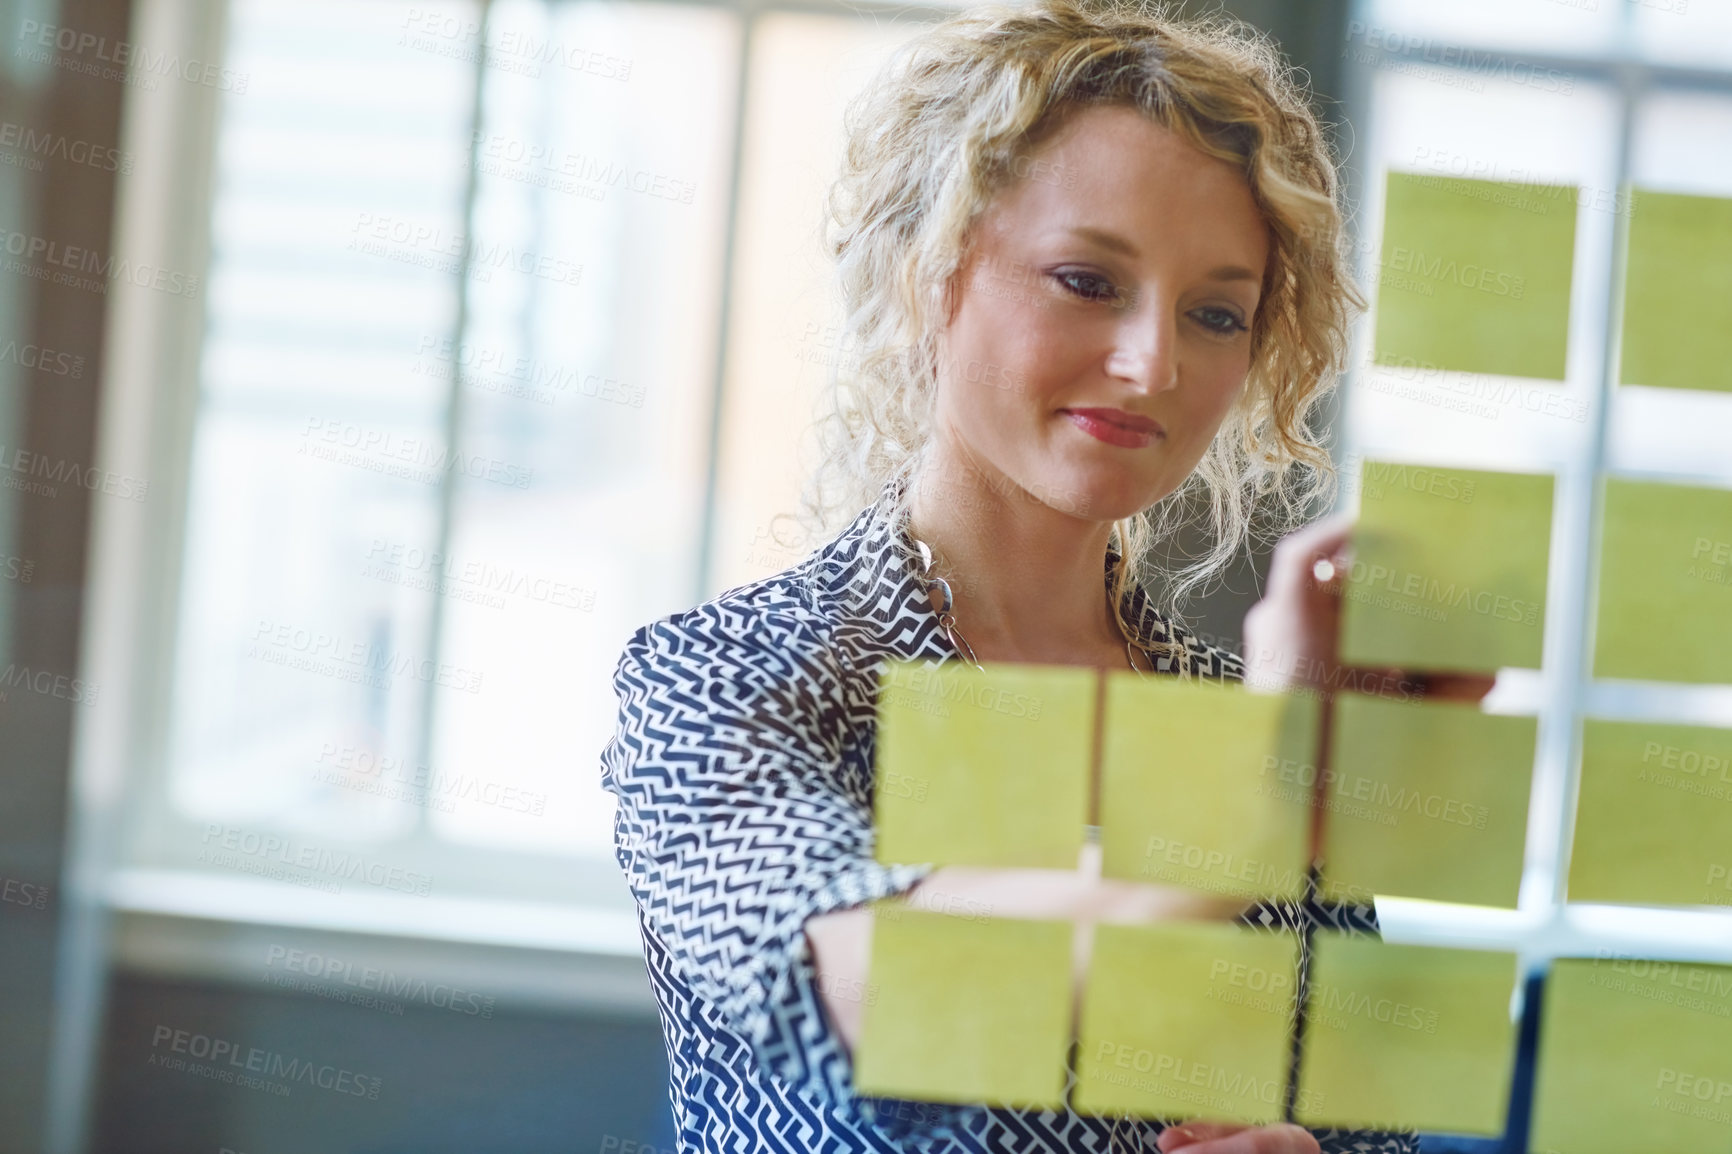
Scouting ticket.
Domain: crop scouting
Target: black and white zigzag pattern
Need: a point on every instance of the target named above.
(743, 768)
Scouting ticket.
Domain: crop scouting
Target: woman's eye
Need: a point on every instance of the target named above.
(1088, 286)
(1221, 321)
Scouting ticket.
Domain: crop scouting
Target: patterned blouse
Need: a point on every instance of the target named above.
(743, 768)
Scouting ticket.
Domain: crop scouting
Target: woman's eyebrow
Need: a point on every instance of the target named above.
(1116, 243)
(1107, 240)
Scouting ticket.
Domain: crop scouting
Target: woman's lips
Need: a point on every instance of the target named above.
(1116, 427)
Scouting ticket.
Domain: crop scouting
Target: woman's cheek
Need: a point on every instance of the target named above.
(1216, 400)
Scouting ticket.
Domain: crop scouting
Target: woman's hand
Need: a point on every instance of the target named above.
(1291, 634)
(1217, 1138)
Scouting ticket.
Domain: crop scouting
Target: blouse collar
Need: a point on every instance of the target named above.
(863, 570)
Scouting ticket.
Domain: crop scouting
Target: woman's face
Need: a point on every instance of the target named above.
(1100, 323)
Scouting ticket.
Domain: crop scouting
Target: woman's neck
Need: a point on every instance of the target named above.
(1027, 580)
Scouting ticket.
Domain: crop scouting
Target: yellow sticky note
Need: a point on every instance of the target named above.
(1665, 584)
(1191, 792)
(983, 768)
(1634, 1055)
(1187, 1020)
(1475, 275)
(1401, 1037)
(1449, 569)
(1427, 801)
(1675, 292)
(1654, 815)
(962, 1009)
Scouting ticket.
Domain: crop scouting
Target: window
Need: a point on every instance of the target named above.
(504, 301)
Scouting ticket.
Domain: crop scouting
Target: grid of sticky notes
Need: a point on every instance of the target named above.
(1634, 1054)
(1475, 278)
(1216, 789)
(966, 1009)
(1407, 1036)
(1427, 801)
(1449, 569)
(1676, 286)
(1665, 588)
(1205, 786)
(983, 767)
(991, 767)
(1191, 789)
(1475, 275)
(1653, 815)
(1186, 1021)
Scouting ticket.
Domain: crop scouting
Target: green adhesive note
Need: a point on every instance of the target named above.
(1675, 292)
(962, 1009)
(1449, 569)
(983, 768)
(1196, 789)
(1654, 815)
(1474, 275)
(1634, 1055)
(1187, 1021)
(1427, 801)
(1401, 1037)
(1665, 584)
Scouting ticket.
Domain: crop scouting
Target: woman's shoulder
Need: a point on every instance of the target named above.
(844, 595)
(770, 620)
(712, 694)
(750, 677)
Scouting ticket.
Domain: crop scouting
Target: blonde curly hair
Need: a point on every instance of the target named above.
(951, 121)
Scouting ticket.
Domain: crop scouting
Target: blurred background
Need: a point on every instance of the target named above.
(369, 371)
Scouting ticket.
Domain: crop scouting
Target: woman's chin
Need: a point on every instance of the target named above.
(1095, 502)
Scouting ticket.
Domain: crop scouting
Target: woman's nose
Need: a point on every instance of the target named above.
(1146, 353)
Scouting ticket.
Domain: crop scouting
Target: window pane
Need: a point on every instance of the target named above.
(338, 189)
(595, 383)
(1423, 28)
(1681, 432)
(1697, 33)
(784, 338)
(1507, 132)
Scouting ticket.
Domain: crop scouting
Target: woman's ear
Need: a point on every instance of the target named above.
(950, 295)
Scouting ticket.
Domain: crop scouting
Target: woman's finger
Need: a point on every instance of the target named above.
(1324, 535)
(1328, 573)
(1284, 1139)
(1191, 1133)
(1120, 901)
(1295, 556)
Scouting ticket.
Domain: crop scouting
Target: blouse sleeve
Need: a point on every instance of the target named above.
(736, 824)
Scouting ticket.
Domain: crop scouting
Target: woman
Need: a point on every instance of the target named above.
(1092, 261)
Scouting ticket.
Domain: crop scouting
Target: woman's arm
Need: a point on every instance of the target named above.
(731, 827)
